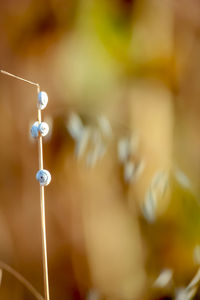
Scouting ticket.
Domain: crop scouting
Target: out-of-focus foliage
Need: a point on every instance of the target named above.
(123, 207)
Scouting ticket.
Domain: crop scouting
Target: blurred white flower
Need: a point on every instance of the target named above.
(126, 147)
(82, 142)
(160, 182)
(163, 279)
(139, 170)
(105, 126)
(149, 207)
(182, 179)
(123, 148)
(129, 169)
(75, 126)
(156, 191)
(91, 158)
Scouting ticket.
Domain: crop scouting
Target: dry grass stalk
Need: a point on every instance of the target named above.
(42, 198)
(19, 277)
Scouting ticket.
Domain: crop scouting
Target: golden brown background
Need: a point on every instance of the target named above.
(136, 62)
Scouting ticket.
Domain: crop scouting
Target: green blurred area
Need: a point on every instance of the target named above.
(136, 63)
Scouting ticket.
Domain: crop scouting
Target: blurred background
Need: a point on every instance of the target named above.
(122, 210)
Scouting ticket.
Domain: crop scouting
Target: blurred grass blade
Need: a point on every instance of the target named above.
(1, 275)
(195, 280)
(18, 276)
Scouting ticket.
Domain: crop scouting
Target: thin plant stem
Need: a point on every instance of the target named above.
(20, 78)
(42, 198)
(19, 277)
(43, 219)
